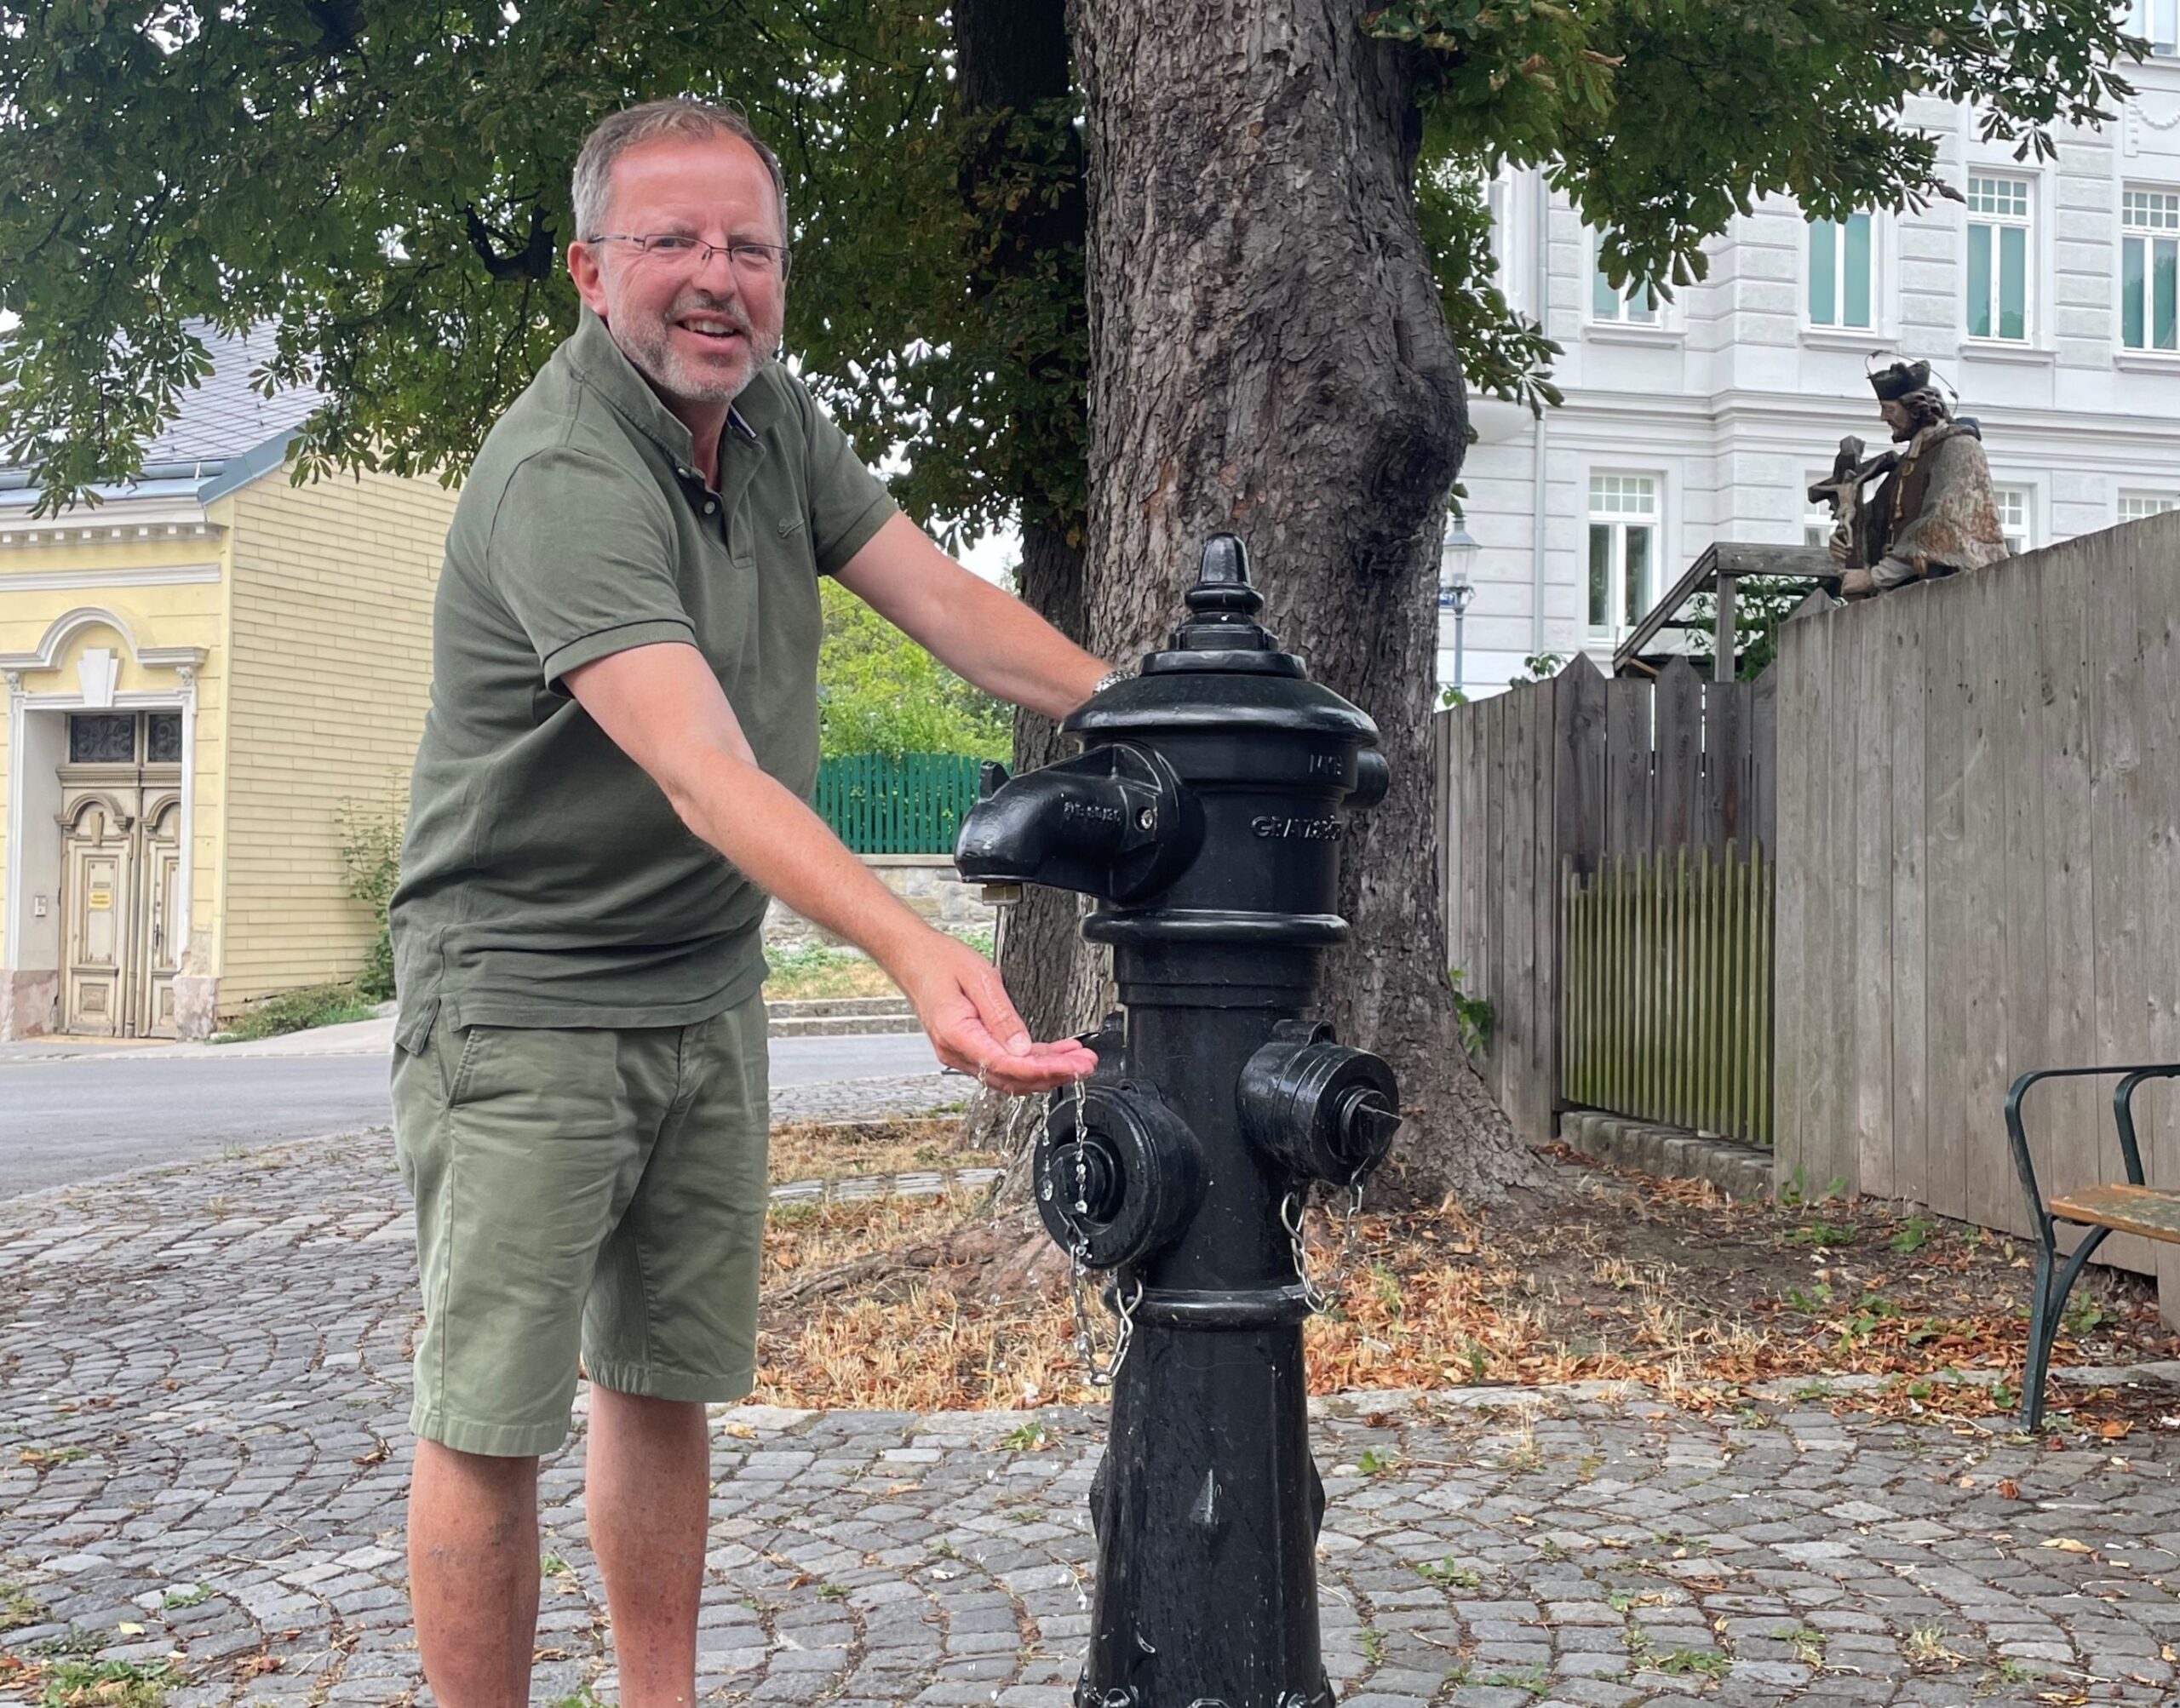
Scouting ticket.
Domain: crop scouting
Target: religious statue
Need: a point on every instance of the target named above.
(1934, 515)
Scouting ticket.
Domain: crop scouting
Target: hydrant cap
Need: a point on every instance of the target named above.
(1222, 669)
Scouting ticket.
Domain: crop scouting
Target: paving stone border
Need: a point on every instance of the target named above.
(1670, 1153)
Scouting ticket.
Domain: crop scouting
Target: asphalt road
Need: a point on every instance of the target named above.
(89, 1116)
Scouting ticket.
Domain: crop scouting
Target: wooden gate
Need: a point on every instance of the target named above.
(1666, 1010)
(1553, 777)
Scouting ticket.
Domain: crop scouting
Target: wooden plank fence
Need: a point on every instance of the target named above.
(1979, 874)
(1556, 776)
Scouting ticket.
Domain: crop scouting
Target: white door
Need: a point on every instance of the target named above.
(97, 910)
(157, 953)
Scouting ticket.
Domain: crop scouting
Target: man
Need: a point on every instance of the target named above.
(1936, 513)
(624, 657)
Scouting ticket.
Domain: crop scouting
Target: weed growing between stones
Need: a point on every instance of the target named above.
(107, 1684)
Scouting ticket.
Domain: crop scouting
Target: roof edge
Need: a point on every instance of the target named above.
(237, 472)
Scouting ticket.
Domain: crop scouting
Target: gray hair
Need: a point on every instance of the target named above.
(682, 116)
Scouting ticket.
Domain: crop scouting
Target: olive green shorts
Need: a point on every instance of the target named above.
(597, 1192)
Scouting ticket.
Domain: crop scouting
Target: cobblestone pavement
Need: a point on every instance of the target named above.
(203, 1383)
(870, 1099)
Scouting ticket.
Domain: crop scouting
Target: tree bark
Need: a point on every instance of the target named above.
(1268, 357)
(1012, 56)
(1039, 938)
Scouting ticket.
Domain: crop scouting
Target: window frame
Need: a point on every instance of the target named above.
(142, 721)
(1620, 521)
(1874, 257)
(2001, 490)
(2152, 237)
(2147, 504)
(1999, 221)
(2141, 21)
(1599, 285)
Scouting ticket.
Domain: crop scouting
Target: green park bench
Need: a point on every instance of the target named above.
(2128, 1206)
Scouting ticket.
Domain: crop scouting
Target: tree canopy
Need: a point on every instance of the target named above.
(386, 184)
(879, 693)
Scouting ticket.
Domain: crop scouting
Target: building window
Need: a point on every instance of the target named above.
(1817, 521)
(2158, 23)
(2134, 506)
(1623, 550)
(2013, 516)
(2149, 269)
(163, 738)
(102, 738)
(1998, 258)
(124, 738)
(1839, 271)
(1632, 307)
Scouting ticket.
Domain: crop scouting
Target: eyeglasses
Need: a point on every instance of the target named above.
(758, 260)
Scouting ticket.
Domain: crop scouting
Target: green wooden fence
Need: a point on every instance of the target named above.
(1666, 999)
(897, 803)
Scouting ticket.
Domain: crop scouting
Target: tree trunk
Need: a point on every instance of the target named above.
(1040, 939)
(1011, 57)
(1268, 357)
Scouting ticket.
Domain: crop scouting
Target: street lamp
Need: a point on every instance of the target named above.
(1454, 589)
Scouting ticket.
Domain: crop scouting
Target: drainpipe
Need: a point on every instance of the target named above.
(1537, 492)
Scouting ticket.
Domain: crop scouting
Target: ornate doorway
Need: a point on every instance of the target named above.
(120, 873)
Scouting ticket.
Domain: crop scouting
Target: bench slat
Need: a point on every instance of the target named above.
(2141, 1210)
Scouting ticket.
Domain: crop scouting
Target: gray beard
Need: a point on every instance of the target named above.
(656, 361)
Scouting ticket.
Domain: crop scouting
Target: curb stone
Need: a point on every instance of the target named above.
(1671, 1153)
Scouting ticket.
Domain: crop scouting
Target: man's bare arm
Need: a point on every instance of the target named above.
(664, 707)
(981, 633)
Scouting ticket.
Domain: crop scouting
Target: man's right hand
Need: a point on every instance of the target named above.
(964, 1007)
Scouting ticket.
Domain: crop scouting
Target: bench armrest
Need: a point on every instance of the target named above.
(2123, 1118)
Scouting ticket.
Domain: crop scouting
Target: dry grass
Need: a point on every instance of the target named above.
(920, 1340)
(1662, 1283)
(819, 970)
(813, 1150)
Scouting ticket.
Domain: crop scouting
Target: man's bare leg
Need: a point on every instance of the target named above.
(473, 1574)
(647, 1491)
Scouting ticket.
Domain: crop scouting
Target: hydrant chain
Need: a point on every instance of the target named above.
(1100, 1371)
(1293, 1207)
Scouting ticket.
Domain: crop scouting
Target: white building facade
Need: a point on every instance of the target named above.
(2049, 296)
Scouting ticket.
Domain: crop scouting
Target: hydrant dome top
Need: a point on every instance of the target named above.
(1222, 669)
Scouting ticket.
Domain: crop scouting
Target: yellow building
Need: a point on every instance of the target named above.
(200, 672)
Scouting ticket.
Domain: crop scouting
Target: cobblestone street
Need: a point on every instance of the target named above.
(203, 1389)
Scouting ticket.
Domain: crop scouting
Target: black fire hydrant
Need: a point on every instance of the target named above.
(1204, 814)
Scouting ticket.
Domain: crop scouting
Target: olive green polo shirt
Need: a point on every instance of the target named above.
(546, 882)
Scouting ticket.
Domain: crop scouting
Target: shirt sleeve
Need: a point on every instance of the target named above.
(847, 503)
(583, 552)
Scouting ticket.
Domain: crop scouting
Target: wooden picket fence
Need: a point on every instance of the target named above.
(897, 803)
(1667, 988)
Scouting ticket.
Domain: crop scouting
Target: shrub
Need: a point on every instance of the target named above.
(370, 866)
